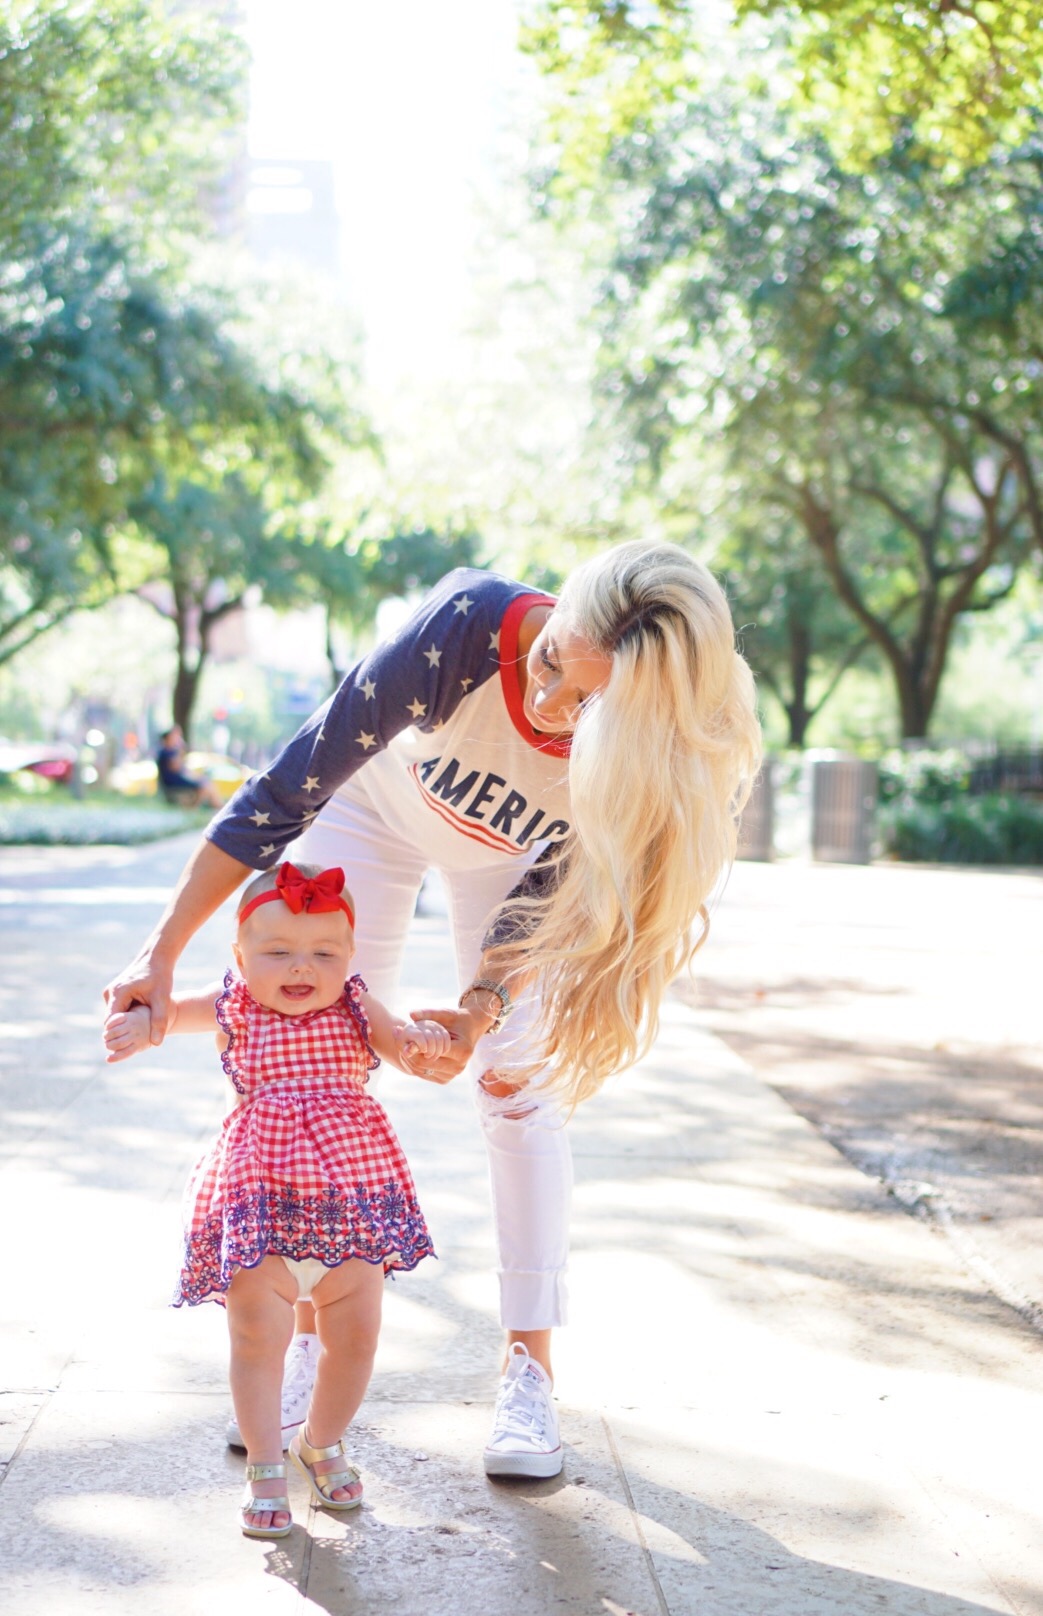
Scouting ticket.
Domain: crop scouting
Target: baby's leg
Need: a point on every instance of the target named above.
(260, 1322)
(347, 1302)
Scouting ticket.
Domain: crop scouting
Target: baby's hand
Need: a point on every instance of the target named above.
(422, 1042)
(127, 1032)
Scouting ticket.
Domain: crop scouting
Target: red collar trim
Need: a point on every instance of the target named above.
(555, 745)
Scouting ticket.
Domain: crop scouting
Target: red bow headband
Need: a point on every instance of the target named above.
(310, 894)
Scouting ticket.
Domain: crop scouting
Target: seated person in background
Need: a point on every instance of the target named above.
(176, 786)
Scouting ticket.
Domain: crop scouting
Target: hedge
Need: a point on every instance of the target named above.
(968, 830)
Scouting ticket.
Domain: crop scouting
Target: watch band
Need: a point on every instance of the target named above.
(487, 985)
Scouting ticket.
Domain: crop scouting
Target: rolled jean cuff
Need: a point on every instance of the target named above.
(533, 1300)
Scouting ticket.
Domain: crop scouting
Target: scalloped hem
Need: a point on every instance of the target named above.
(394, 1262)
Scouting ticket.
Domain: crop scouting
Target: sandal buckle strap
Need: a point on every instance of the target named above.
(265, 1472)
(328, 1484)
(312, 1455)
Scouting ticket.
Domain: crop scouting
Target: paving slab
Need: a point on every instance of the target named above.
(898, 1008)
(780, 1393)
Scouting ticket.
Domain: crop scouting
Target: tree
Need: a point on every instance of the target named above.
(114, 121)
(802, 312)
(110, 120)
(352, 574)
(792, 630)
(944, 79)
(104, 378)
(213, 545)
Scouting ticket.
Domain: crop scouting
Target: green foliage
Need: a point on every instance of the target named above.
(924, 777)
(102, 378)
(795, 635)
(112, 114)
(968, 830)
(151, 432)
(58, 820)
(211, 544)
(109, 113)
(828, 220)
(802, 314)
(945, 80)
(942, 81)
(615, 64)
(351, 575)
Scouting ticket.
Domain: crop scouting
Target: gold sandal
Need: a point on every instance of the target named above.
(304, 1456)
(252, 1505)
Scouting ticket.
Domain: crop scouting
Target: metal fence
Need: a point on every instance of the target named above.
(1017, 769)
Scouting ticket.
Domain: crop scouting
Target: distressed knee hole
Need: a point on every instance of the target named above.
(502, 1098)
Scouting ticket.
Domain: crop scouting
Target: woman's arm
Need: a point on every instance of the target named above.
(209, 877)
(417, 677)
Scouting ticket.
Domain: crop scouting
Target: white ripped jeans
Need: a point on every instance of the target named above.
(530, 1160)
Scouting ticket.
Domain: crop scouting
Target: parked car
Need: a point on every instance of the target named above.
(51, 760)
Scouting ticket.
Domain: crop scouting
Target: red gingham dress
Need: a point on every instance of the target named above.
(307, 1164)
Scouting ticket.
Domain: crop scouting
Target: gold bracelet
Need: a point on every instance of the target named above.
(484, 984)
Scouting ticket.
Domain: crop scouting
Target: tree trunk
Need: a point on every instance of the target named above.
(189, 665)
(798, 714)
(336, 672)
(186, 689)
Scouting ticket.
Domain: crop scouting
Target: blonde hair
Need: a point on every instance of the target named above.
(663, 759)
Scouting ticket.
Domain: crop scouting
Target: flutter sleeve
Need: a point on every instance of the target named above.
(230, 1009)
(354, 988)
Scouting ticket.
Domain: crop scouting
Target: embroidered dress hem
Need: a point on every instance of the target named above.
(390, 1230)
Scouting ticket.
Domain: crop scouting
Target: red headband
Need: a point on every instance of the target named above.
(310, 894)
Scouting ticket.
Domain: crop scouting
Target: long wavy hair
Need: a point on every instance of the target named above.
(662, 761)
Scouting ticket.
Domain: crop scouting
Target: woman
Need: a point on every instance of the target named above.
(609, 738)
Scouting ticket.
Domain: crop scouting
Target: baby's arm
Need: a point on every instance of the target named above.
(409, 1045)
(127, 1032)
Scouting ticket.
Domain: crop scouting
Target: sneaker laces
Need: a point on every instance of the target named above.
(299, 1373)
(522, 1407)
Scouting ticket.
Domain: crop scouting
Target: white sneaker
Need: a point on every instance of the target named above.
(525, 1439)
(297, 1381)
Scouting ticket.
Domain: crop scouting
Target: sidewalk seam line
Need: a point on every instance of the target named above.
(664, 1608)
(27, 1433)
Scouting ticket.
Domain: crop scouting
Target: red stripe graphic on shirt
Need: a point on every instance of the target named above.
(466, 827)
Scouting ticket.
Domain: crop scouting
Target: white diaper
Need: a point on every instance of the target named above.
(307, 1271)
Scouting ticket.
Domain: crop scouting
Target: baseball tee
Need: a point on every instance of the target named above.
(427, 728)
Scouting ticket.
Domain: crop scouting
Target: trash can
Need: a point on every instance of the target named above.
(757, 825)
(843, 810)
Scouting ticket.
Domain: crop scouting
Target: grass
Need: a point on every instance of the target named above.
(55, 818)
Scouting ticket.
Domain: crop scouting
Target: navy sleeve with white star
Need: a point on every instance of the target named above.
(448, 647)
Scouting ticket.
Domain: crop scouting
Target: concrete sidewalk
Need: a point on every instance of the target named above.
(780, 1393)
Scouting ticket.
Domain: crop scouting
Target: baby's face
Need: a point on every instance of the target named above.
(294, 963)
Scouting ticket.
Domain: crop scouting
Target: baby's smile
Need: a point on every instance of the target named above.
(297, 990)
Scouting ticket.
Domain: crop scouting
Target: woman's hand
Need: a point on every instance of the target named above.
(464, 1028)
(146, 983)
(209, 877)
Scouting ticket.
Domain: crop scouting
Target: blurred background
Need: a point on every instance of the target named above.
(301, 307)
